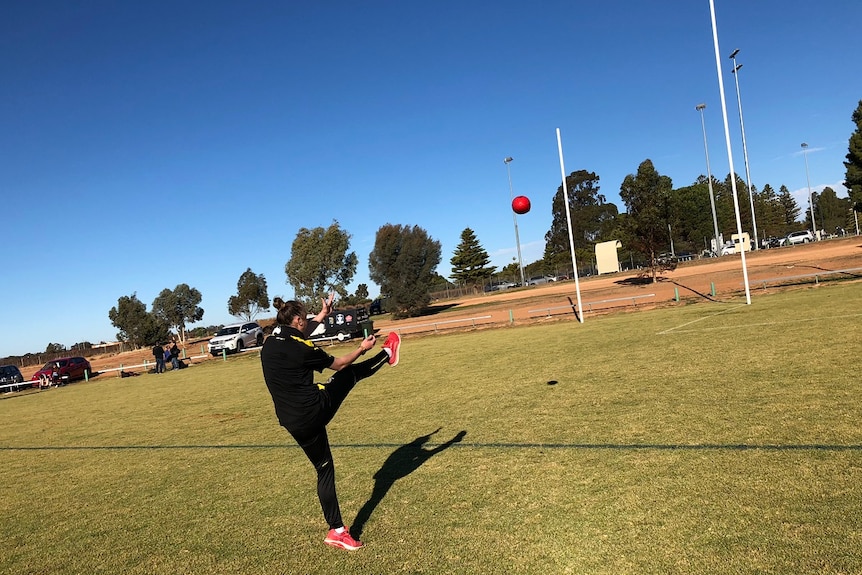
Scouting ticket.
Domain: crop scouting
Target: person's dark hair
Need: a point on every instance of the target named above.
(287, 310)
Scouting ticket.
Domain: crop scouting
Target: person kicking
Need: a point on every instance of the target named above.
(303, 407)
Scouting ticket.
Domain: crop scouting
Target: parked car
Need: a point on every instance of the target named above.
(536, 280)
(497, 286)
(11, 375)
(803, 237)
(62, 371)
(378, 306)
(728, 249)
(235, 337)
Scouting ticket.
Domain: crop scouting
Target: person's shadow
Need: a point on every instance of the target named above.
(400, 463)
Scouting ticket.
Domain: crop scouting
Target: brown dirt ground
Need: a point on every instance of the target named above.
(768, 270)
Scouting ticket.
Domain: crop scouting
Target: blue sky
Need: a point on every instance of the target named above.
(144, 145)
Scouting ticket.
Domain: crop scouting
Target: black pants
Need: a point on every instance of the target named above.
(313, 440)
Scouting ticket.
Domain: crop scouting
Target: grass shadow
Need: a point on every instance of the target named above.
(400, 463)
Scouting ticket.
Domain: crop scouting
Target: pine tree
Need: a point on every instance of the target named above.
(647, 197)
(470, 261)
(789, 209)
(853, 176)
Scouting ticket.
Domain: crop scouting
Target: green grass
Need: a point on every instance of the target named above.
(708, 438)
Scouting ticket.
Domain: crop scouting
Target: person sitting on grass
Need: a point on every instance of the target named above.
(175, 356)
(304, 408)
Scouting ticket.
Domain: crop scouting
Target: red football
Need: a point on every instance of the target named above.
(521, 204)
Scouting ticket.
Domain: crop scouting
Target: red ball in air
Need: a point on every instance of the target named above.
(521, 204)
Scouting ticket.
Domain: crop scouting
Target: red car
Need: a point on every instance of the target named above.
(62, 371)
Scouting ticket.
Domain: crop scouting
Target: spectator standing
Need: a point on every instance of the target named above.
(159, 354)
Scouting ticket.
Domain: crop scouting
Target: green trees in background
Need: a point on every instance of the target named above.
(404, 260)
(647, 197)
(251, 296)
(178, 307)
(853, 175)
(403, 264)
(790, 210)
(593, 220)
(831, 212)
(470, 261)
(320, 263)
(137, 326)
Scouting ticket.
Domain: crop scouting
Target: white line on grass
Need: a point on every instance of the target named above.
(761, 324)
(667, 331)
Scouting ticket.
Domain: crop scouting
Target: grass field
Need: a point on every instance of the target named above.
(708, 438)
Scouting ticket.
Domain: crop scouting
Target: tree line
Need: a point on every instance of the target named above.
(405, 258)
(659, 218)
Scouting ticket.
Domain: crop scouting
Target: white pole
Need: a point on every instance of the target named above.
(569, 224)
(729, 149)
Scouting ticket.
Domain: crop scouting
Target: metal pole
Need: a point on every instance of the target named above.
(507, 161)
(717, 248)
(729, 149)
(810, 200)
(744, 147)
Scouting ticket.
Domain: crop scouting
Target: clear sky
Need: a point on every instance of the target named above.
(148, 144)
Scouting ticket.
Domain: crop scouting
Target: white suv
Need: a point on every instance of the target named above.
(802, 237)
(233, 338)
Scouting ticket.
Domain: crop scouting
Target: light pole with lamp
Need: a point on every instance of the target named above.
(735, 72)
(716, 247)
(507, 161)
(810, 199)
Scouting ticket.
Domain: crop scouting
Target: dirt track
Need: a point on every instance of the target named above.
(691, 280)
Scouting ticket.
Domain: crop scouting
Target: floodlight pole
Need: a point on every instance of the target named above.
(810, 197)
(729, 148)
(735, 73)
(700, 108)
(507, 161)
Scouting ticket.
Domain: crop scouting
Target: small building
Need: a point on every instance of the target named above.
(607, 259)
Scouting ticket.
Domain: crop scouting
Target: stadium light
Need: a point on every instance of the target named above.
(735, 73)
(700, 108)
(810, 197)
(508, 160)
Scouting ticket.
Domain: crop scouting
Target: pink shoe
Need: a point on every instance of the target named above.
(393, 344)
(342, 540)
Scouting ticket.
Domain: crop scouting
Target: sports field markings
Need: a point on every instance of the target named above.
(667, 331)
(678, 329)
(462, 445)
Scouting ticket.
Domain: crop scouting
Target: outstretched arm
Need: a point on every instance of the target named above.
(345, 360)
(325, 310)
(325, 307)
